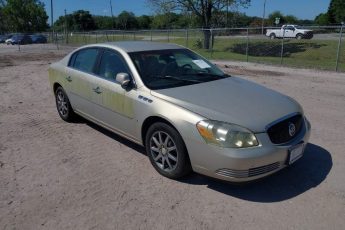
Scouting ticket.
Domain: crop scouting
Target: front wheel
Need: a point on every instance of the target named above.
(272, 36)
(63, 105)
(167, 151)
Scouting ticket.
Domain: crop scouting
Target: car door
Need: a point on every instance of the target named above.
(115, 105)
(80, 75)
(289, 31)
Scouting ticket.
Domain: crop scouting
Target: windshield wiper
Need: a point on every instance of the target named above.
(207, 75)
(178, 79)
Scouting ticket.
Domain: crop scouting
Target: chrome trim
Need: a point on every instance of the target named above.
(253, 172)
(281, 119)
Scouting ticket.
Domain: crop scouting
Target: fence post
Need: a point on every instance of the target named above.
(339, 47)
(106, 34)
(57, 41)
(212, 42)
(96, 37)
(168, 35)
(282, 50)
(187, 37)
(247, 48)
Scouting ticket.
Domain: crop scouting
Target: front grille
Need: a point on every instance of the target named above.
(282, 132)
(248, 173)
(309, 35)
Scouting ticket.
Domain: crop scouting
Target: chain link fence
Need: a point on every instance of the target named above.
(325, 50)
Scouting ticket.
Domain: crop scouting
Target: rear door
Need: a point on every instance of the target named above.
(80, 75)
(289, 31)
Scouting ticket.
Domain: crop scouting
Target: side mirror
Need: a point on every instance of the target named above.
(123, 79)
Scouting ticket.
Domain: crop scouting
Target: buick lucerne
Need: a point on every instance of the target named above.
(187, 113)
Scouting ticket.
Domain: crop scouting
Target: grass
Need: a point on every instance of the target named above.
(315, 54)
(302, 54)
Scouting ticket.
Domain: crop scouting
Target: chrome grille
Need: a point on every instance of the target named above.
(279, 133)
(248, 173)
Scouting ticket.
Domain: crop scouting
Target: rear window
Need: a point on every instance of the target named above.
(85, 60)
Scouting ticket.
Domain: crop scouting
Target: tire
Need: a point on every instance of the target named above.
(173, 163)
(63, 105)
(272, 36)
(299, 36)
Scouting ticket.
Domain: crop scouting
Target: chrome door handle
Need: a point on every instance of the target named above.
(69, 79)
(97, 90)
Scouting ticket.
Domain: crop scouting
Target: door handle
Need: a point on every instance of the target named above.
(69, 79)
(97, 90)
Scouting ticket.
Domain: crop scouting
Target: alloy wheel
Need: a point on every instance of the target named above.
(164, 151)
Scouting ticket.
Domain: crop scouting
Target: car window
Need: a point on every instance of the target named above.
(85, 60)
(161, 69)
(111, 64)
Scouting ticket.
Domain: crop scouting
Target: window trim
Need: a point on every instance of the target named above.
(97, 69)
(75, 55)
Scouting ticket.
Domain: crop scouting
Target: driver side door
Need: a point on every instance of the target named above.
(114, 106)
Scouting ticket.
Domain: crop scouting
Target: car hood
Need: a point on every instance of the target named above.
(233, 100)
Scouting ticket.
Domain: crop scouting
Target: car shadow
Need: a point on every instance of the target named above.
(306, 173)
(114, 136)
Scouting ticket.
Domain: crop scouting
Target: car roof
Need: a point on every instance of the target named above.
(138, 46)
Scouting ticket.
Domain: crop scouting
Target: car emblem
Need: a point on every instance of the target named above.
(292, 129)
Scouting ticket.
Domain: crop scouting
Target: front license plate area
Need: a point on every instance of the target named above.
(295, 153)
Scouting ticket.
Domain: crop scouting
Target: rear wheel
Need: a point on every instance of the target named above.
(272, 36)
(167, 151)
(63, 105)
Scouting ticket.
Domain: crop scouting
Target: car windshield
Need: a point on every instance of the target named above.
(162, 69)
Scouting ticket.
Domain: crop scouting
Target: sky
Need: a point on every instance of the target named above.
(303, 9)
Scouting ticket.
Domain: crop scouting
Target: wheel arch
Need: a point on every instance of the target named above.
(55, 86)
(154, 119)
(150, 121)
(299, 34)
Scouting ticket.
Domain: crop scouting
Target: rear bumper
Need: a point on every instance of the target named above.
(241, 165)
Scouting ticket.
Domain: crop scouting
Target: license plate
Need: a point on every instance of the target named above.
(296, 153)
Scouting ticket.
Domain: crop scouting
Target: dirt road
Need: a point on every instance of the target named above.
(58, 175)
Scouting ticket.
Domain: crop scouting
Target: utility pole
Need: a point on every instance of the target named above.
(111, 11)
(263, 18)
(66, 27)
(52, 19)
(227, 13)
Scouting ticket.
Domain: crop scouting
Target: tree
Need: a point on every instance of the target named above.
(144, 22)
(25, 15)
(127, 20)
(272, 18)
(336, 11)
(322, 19)
(291, 19)
(83, 21)
(104, 22)
(203, 9)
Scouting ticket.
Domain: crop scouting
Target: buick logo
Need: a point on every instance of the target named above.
(292, 129)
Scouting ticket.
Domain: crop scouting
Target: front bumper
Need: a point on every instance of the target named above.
(241, 165)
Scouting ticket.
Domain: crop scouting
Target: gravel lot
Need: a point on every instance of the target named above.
(56, 175)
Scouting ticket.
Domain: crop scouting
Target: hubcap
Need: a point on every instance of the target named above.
(163, 151)
(61, 103)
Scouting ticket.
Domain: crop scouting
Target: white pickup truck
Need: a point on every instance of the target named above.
(290, 31)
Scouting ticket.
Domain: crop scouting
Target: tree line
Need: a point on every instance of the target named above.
(30, 16)
(82, 20)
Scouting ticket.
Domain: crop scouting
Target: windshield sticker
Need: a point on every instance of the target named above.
(202, 64)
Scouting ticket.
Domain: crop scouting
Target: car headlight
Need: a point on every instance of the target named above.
(226, 135)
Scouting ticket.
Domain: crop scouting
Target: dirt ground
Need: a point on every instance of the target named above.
(58, 175)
